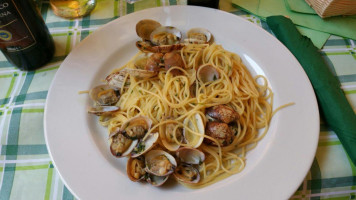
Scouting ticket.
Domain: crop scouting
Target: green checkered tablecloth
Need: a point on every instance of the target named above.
(26, 170)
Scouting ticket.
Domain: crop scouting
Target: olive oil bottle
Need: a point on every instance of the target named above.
(24, 38)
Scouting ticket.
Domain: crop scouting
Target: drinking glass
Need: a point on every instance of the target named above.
(72, 8)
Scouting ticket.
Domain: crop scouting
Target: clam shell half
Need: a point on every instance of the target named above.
(187, 173)
(156, 180)
(190, 155)
(145, 145)
(165, 35)
(104, 95)
(121, 146)
(145, 27)
(135, 168)
(195, 136)
(208, 73)
(199, 36)
(167, 133)
(100, 110)
(160, 163)
(136, 127)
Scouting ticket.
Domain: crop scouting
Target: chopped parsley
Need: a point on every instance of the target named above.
(141, 147)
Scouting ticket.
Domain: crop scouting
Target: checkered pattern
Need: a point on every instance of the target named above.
(26, 171)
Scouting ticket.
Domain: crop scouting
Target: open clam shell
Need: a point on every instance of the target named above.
(145, 145)
(195, 136)
(165, 35)
(104, 95)
(160, 163)
(116, 79)
(136, 127)
(135, 168)
(147, 47)
(100, 110)
(187, 173)
(171, 133)
(145, 27)
(121, 146)
(207, 73)
(156, 180)
(141, 73)
(190, 155)
(199, 36)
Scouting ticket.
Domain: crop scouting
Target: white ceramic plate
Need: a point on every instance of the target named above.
(78, 145)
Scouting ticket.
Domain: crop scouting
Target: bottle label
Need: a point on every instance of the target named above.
(15, 34)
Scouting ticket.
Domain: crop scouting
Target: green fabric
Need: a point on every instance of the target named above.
(319, 38)
(341, 26)
(299, 6)
(336, 109)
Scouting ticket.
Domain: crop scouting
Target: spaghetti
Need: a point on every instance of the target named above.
(168, 98)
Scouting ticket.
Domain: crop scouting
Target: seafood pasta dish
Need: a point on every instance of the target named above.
(183, 108)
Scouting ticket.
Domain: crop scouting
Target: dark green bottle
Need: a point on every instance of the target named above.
(24, 38)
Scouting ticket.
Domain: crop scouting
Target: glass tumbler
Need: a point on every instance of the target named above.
(72, 8)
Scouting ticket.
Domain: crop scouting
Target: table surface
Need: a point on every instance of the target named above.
(26, 169)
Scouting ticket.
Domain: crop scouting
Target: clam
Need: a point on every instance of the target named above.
(135, 168)
(136, 127)
(173, 59)
(154, 62)
(104, 95)
(141, 74)
(165, 35)
(190, 155)
(198, 36)
(207, 73)
(140, 70)
(160, 163)
(100, 110)
(187, 173)
(171, 131)
(120, 145)
(219, 131)
(147, 47)
(145, 145)
(145, 27)
(116, 79)
(222, 113)
(163, 39)
(194, 137)
(156, 180)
